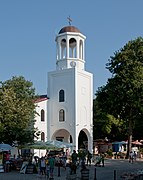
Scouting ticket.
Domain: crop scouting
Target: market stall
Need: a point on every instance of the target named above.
(1, 162)
(4, 157)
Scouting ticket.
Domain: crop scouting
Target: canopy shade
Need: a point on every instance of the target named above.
(121, 142)
(40, 145)
(59, 144)
(137, 143)
(49, 145)
(5, 147)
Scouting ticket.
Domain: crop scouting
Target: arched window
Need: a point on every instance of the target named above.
(61, 96)
(42, 115)
(61, 115)
(42, 136)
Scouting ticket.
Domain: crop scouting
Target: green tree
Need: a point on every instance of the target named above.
(106, 125)
(17, 111)
(122, 96)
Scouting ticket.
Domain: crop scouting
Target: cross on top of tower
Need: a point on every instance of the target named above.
(69, 20)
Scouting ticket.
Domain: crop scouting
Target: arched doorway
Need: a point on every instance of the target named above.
(82, 140)
(62, 135)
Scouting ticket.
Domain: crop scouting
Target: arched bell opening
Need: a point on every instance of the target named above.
(81, 49)
(63, 49)
(72, 48)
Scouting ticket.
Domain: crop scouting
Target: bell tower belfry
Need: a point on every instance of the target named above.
(70, 48)
(70, 91)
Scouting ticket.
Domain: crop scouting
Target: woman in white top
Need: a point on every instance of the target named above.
(43, 166)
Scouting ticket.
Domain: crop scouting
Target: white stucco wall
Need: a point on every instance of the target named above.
(41, 125)
(84, 105)
(61, 80)
(78, 101)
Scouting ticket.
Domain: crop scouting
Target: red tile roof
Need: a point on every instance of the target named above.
(41, 98)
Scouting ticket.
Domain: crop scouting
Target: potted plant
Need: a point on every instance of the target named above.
(109, 153)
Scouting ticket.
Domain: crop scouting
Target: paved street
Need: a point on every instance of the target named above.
(102, 173)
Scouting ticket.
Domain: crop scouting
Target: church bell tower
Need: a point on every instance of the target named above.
(70, 91)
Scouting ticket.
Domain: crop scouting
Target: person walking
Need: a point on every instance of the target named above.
(51, 163)
(47, 169)
(98, 160)
(79, 157)
(135, 156)
(83, 157)
(89, 157)
(64, 160)
(74, 157)
(131, 157)
(102, 159)
(43, 166)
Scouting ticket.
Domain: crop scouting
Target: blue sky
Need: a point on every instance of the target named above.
(28, 29)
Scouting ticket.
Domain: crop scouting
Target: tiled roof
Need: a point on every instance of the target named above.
(41, 98)
(69, 29)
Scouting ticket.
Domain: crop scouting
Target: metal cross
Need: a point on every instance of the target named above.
(69, 20)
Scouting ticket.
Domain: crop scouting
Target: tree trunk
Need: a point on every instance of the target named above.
(129, 147)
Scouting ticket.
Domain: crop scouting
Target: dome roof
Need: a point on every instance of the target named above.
(69, 29)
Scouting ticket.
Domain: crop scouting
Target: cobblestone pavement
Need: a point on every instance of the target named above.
(108, 172)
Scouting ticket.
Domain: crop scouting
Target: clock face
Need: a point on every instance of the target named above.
(73, 63)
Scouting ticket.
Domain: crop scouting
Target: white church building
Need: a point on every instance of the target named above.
(66, 112)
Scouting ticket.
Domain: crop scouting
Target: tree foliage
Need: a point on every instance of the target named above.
(17, 110)
(122, 97)
(106, 125)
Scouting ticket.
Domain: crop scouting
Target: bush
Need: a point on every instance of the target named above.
(109, 152)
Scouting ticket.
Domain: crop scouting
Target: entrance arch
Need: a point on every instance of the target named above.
(83, 139)
(62, 135)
